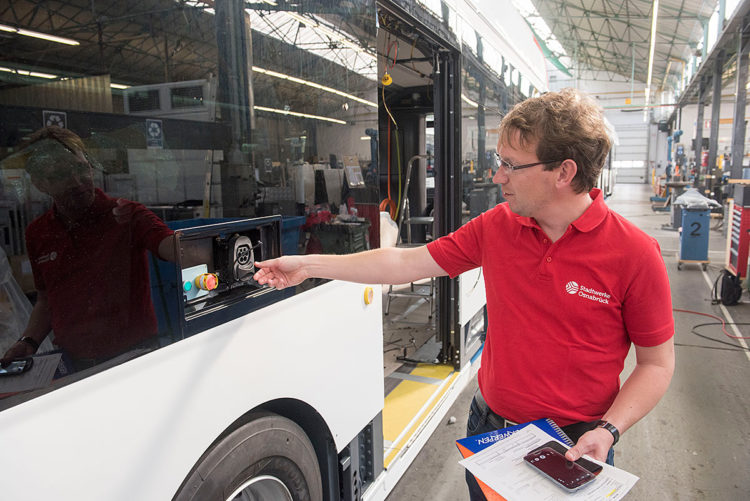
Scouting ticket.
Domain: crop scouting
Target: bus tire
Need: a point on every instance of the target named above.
(263, 453)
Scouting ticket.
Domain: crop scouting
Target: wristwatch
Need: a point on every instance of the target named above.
(610, 428)
(30, 341)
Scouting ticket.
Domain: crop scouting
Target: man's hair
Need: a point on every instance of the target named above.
(565, 125)
(38, 152)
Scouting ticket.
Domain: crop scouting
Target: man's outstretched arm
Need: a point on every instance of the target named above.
(388, 265)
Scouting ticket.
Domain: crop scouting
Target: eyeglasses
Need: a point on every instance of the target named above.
(510, 167)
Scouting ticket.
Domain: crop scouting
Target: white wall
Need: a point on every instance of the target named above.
(167, 177)
(633, 132)
(342, 140)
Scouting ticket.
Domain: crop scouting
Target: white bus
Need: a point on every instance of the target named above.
(254, 129)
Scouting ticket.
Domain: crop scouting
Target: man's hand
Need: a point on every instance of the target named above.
(286, 271)
(596, 443)
(123, 211)
(19, 349)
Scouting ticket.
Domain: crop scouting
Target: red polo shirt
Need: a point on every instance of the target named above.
(96, 276)
(561, 315)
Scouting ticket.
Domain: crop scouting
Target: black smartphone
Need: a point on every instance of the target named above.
(591, 466)
(15, 367)
(553, 465)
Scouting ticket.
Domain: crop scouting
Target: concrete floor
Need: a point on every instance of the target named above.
(695, 444)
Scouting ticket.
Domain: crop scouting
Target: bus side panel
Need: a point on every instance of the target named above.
(472, 294)
(136, 430)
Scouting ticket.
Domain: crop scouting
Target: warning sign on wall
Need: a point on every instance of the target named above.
(56, 118)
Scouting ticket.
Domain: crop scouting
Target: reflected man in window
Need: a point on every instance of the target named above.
(88, 256)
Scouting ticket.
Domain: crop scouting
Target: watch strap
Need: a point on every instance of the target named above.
(30, 341)
(610, 428)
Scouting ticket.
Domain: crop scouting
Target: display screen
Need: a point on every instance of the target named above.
(554, 466)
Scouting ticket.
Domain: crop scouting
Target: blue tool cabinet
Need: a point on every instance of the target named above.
(694, 236)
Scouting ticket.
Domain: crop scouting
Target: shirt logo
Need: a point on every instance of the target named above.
(573, 288)
(45, 258)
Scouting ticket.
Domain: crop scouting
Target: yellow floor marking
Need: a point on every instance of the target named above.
(415, 426)
(402, 404)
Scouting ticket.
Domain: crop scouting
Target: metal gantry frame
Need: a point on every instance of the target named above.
(724, 65)
(739, 128)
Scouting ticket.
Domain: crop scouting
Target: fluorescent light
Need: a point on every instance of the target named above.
(41, 75)
(297, 114)
(28, 73)
(119, 86)
(37, 34)
(468, 101)
(365, 138)
(300, 81)
(652, 46)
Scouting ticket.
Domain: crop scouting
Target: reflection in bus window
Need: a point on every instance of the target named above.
(88, 256)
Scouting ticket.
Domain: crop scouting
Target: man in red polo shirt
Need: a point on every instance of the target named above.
(88, 257)
(570, 284)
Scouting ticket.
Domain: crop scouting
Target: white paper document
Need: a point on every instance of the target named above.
(39, 376)
(502, 468)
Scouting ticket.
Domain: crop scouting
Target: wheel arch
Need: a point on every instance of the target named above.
(311, 422)
(320, 436)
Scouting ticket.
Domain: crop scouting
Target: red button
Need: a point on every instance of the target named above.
(206, 281)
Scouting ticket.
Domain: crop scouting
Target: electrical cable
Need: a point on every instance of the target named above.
(388, 203)
(723, 323)
(398, 159)
(734, 346)
(388, 110)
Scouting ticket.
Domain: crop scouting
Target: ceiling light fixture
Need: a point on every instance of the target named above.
(468, 101)
(652, 46)
(300, 81)
(28, 73)
(37, 34)
(300, 115)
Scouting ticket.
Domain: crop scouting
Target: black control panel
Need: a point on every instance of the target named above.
(215, 267)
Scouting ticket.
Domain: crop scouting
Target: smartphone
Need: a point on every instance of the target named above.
(15, 367)
(591, 466)
(553, 465)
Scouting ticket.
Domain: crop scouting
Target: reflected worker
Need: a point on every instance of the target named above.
(570, 284)
(88, 257)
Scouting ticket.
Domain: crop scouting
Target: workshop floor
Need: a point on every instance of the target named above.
(694, 444)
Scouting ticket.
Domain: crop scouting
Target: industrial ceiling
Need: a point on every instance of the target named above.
(166, 39)
(614, 36)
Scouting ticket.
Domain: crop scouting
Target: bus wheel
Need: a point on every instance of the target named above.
(268, 458)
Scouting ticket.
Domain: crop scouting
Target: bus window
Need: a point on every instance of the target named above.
(138, 124)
